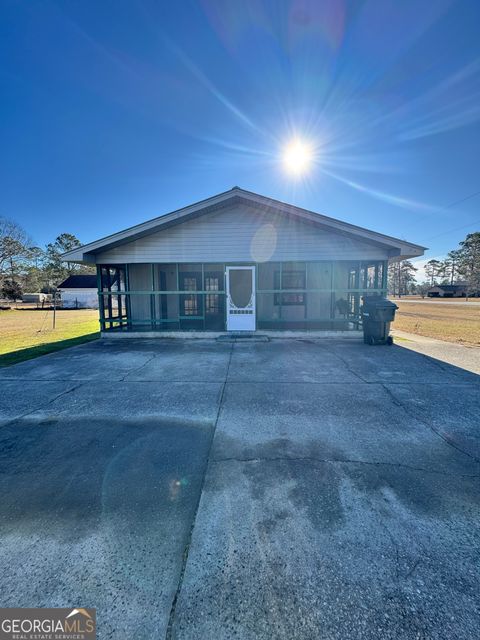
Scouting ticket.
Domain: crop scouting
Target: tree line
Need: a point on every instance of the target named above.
(461, 265)
(25, 267)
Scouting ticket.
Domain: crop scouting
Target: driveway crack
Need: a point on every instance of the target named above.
(42, 406)
(398, 402)
(137, 369)
(315, 459)
(346, 363)
(173, 609)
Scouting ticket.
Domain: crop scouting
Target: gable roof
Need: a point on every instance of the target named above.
(449, 287)
(81, 281)
(400, 248)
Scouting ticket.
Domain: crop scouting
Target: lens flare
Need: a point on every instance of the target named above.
(297, 157)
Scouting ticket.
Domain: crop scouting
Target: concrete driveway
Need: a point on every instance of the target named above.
(199, 489)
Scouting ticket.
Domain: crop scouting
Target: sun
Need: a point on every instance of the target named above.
(297, 157)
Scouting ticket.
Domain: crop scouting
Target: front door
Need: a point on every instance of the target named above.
(240, 298)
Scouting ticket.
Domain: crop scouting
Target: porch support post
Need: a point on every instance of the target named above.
(152, 298)
(127, 297)
(100, 298)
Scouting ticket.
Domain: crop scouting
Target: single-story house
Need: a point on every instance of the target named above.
(239, 261)
(35, 297)
(447, 291)
(79, 292)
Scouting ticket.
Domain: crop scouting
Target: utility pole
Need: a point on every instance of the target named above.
(54, 306)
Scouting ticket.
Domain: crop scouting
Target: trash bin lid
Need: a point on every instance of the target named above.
(378, 302)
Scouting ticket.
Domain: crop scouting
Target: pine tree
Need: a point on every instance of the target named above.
(469, 262)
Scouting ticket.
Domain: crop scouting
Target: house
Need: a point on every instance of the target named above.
(37, 297)
(447, 291)
(239, 261)
(79, 292)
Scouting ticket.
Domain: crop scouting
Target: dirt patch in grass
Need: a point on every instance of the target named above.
(27, 334)
(445, 322)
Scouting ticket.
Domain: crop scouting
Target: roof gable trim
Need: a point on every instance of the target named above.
(237, 195)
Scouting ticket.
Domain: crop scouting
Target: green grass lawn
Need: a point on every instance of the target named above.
(28, 333)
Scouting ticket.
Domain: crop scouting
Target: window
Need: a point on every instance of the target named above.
(190, 279)
(190, 303)
(352, 279)
(190, 306)
(379, 284)
(212, 301)
(211, 284)
(371, 279)
(371, 276)
(189, 284)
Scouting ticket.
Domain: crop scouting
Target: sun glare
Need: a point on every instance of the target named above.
(297, 157)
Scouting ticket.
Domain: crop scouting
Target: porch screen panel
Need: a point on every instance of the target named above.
(166, 305)
(342, 275)
(105, 299)
(140, 279)
(113, 305)
(268, 279)
(319, 303)
(346, 310)
(346, 298)
(191, 314)
(371, 276)
(293, 299)
(379, 277)
(268, 313)
(214, 302)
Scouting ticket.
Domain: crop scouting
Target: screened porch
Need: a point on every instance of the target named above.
(323, 295)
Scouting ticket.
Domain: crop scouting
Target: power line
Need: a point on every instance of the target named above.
(472, 195)
(464, 226)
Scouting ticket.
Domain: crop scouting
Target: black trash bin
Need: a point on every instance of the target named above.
(377, 314)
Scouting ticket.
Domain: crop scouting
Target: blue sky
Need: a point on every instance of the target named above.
(116, 111)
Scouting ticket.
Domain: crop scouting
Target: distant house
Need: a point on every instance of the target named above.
(35, 297)
(447, 291)
(79, 292)
(239, 261)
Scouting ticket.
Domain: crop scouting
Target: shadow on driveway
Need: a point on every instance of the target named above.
(339, 497)
(99, 512)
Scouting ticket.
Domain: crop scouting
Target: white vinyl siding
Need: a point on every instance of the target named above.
(79, 298)
(239, 234)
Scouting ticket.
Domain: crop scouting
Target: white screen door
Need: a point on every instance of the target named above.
(241, 298)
